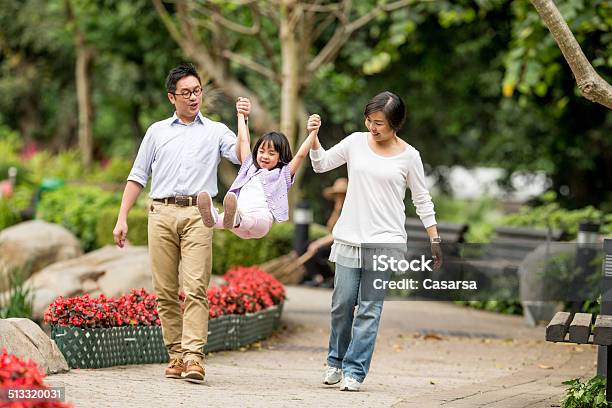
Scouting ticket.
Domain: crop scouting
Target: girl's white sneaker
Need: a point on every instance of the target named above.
(350, 384)
(332, 376)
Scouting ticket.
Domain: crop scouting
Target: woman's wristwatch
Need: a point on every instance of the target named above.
(436, 240)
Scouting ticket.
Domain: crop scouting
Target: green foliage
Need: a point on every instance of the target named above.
(65, 165)
(497, 306)
(540, 123)
(482, 215)
(587, 394)
(10, 145)
(484, 84)
(137, 224)
(551, 215)
(230, 250)
(77, 209)
(17, 301)
(534, 63)
(115, 171)
(8, 215)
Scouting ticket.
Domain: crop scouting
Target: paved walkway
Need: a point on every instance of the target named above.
(428, 354)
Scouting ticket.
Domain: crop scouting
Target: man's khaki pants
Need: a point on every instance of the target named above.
(177, 234)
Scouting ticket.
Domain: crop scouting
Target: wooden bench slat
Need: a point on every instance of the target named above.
(580, 328)
(558, 326)
(602, 334)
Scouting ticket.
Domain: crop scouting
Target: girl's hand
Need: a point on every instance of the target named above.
(243, 106)
(314, 123)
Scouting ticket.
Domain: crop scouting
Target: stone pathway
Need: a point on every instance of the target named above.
(428, 354)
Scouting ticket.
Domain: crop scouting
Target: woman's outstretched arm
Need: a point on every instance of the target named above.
(314, 123)
(323, 160)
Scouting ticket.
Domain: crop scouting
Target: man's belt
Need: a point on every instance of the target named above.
(180, 200)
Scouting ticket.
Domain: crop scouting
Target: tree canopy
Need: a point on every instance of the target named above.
(484, 81)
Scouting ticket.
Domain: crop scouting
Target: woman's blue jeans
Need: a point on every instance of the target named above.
(353, 334)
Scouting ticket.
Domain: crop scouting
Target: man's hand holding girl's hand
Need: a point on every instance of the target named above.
(314, 123)
(243, 106)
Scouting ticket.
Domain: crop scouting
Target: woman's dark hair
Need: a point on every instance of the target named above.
(281, 145)
(391, 106)
(178, 73)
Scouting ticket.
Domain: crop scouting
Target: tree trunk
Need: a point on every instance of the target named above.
(290, 73)
(83, 67)
(290, 84)
(591, 85)
(84, 56)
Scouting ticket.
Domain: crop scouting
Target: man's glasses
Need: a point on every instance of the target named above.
(187, 93)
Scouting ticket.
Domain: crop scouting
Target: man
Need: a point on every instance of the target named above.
(181, 154)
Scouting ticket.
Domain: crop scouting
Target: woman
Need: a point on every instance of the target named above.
(380, 168)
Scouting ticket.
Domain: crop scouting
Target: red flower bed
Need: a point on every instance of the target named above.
(16, 373)
(248, 290)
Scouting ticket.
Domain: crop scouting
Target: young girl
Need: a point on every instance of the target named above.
(259, 193)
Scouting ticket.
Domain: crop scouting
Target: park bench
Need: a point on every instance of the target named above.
(577, 328)
(508, 248)
(419, 243)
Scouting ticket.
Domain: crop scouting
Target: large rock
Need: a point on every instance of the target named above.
(109, 270)
(25, 339)
(541, 294)
(30, 246)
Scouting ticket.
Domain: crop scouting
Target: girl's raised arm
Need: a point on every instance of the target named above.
(314, 123)
(243, 144)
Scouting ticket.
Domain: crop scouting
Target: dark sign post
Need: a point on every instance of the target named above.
(604, 358)
(586, 266)
(302, 218)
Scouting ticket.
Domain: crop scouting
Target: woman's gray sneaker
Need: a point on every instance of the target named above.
(350, 384)
(333, 376)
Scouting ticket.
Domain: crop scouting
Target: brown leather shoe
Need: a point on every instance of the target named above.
(175, 368)
(194, 372)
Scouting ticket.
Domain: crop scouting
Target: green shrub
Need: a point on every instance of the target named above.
(498, 306)
(550, 214)
(116, 171)
(482, 216)
(65, 165)
(230, 250)
(10, 208)
(23, 173)
(137, 225)
(77, 209)
(8, 215)
(10, 145)
(588, 394)
(17, 302)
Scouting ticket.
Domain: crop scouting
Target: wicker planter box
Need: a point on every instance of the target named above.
(106, 347)
(258, 326)
(219, 334)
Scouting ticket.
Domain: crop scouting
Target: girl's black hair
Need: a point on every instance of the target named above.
(391, 106)
(281, 145)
